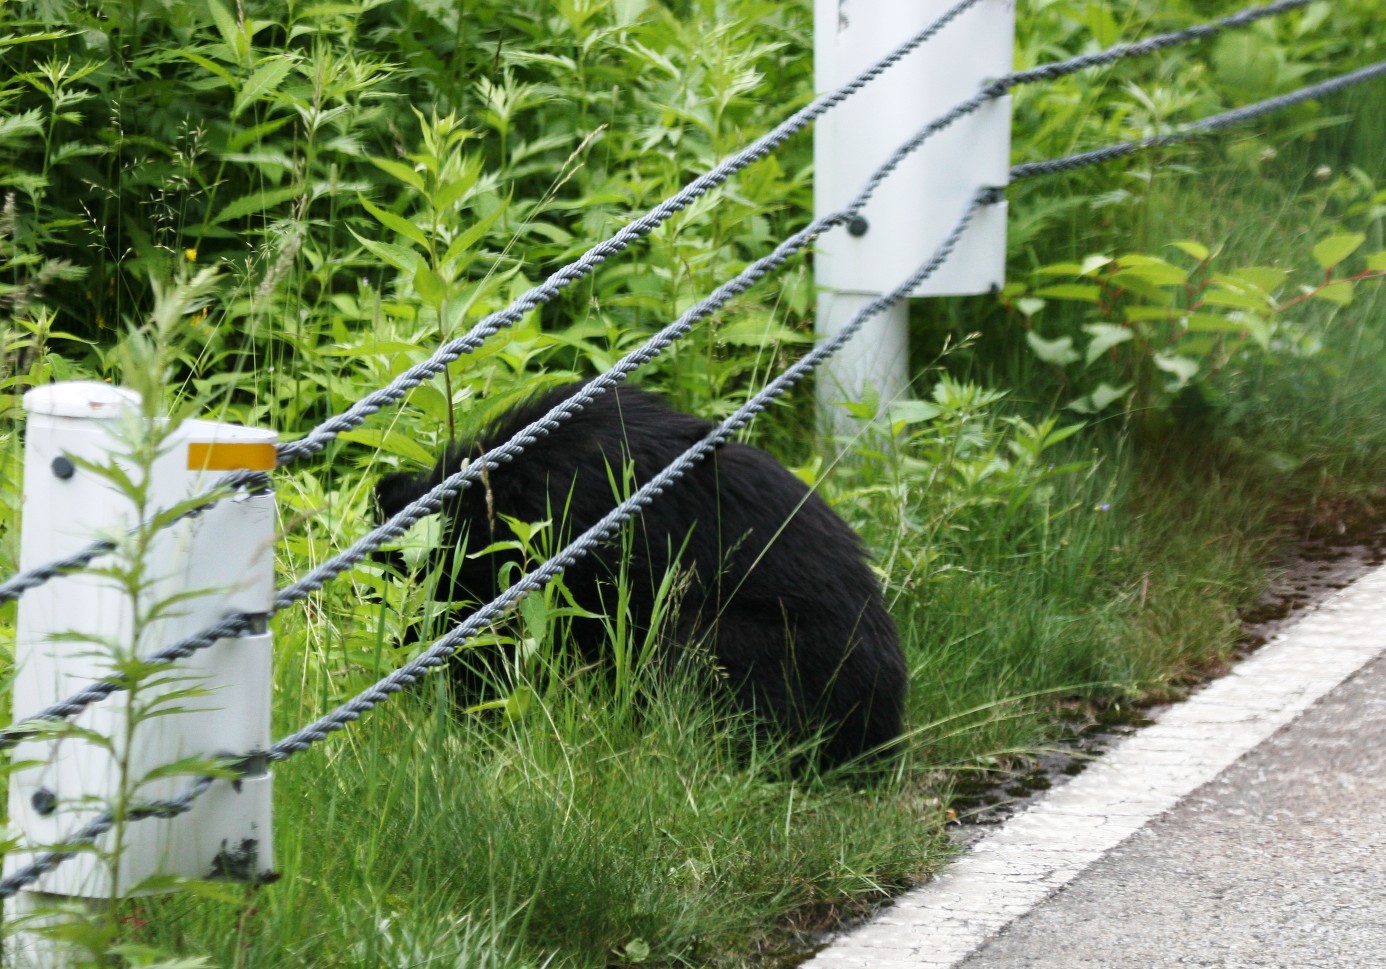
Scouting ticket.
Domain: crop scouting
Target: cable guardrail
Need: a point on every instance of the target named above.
(431, 503)
(1202, 126)
(94, 829)
(318, 438)
(438, 652)
(22, 582)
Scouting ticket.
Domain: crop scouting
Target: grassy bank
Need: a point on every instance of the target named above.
(1041, 561)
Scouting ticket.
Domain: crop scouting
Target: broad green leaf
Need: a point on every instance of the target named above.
(1092, 264)
(913, 412)
(1333, 250)
(1157, 294)
(231, 34)
(525, 531)
(1104, 337)
(400, 172)
(1182, 369)
(1376, 262)
(750, 331)
(1339, 292)
(430, 401)
(1029, 306)
(1100, 399)
(264, 80)
(392, 441)
(1059, 352)
(466, 240)
(401, 258)
(1256, 279)
(256, 202)
(1150, 270)
(1195, 249)
(1078, 291)
(1236, 299)
(429, 285)
(398, 223)
(449, 192)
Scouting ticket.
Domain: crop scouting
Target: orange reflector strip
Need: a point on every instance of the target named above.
(231, 457)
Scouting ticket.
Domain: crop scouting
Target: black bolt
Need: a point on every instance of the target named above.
(64, 468)
(857, 227)
(45, 802)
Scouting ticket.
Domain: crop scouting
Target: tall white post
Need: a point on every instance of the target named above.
(916, 207)
(71, 629)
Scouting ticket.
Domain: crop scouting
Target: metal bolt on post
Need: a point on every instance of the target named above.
(915, 208)
(215, 563)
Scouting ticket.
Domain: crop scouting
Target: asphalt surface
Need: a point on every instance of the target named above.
(1246, 828)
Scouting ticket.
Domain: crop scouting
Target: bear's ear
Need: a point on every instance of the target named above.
(396, 490)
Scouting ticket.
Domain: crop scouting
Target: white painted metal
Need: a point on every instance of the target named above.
(874, 361)
(68, 630)
(916, 207)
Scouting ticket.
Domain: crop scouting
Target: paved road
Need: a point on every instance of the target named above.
(1247, 828)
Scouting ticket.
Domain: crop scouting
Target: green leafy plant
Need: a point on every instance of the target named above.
(1157, 328)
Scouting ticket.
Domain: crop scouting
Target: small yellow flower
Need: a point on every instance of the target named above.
(190, 255)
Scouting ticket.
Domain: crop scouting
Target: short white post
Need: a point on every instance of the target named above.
(917, 206)
(218, 562)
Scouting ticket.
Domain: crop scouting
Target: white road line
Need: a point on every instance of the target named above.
(1032, 855)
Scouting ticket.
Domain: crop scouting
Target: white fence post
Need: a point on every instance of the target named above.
(218, 562)
(916, 207)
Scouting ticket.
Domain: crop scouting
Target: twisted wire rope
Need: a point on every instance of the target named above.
(395, 528)
(1202, 126)
(94, 829)
(438, 653)
(318, 438)
(441, 649)
(22, 582)
(99, 690)
(1049, 72)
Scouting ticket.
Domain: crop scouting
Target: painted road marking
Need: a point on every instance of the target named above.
(1038, 851)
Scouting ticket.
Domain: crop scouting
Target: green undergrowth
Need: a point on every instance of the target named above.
(364, 180)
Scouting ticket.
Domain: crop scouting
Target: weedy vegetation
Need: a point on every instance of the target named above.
(1094, 474)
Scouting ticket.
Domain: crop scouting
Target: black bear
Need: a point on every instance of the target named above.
(774, 585)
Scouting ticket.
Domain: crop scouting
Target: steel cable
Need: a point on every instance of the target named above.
(318, 438)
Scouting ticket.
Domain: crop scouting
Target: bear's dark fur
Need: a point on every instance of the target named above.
(774, 584)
